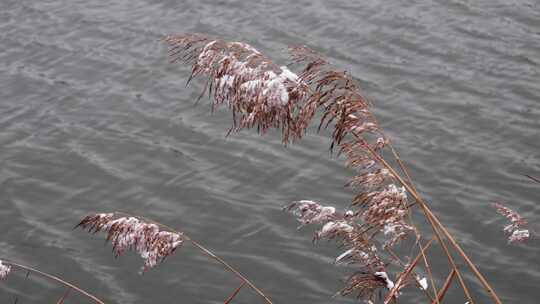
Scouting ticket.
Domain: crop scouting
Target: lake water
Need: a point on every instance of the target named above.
(94, 118)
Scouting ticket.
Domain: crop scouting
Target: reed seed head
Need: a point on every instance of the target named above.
(366, 284)
(131, 233)
(310, 212)
(5, 269)
(515, 230)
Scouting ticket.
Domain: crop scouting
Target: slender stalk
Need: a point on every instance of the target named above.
(446, 285)
(404, 275)
(236, 291)
(429, 218)
(535, 179)
(208, 253)
(64, 296)
(422, 251)
(456, 269)
(56, 279)
(450, 259)
(402, 166)
(436, 223)
(410, 187)
(428, 269)
(232, 269)
(409, 180)
(408, 270)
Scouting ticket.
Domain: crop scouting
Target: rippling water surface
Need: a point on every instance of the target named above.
(93, 118)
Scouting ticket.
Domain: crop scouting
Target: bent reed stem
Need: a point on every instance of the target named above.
(56, 279)
(208, 253)
(236, 291)
(410, 269)
(455, 270)
(431, 222)
(445, 286)
(264, 95)
(436, 224)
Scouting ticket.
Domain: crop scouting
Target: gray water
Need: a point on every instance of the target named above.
(94, 118)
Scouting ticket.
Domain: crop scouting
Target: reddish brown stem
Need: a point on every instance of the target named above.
(436, 225)
(535, 179)
(446, 285)
(236, 291)
(208, 253)
(407, 272)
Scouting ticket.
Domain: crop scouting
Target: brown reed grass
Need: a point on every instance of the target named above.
(7, 266)
(152, 244)
(153, 241)
(264, 95)
(516, 229)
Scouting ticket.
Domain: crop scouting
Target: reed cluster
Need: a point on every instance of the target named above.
(376, 235)
(264, 95)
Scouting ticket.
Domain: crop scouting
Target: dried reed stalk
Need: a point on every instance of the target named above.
(534, 179)
(152, 240)
(6, 266)
(264, 95)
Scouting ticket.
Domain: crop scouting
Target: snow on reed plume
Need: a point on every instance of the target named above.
(264, 95)
(152, 241)
(5, 269)
(131, 233)
(516, 229)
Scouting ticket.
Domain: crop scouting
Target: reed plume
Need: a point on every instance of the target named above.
(5, 269)
(153, 241)
(516, 229)
(265, 95)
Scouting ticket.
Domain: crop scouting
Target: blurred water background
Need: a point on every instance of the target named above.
(94, 118)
